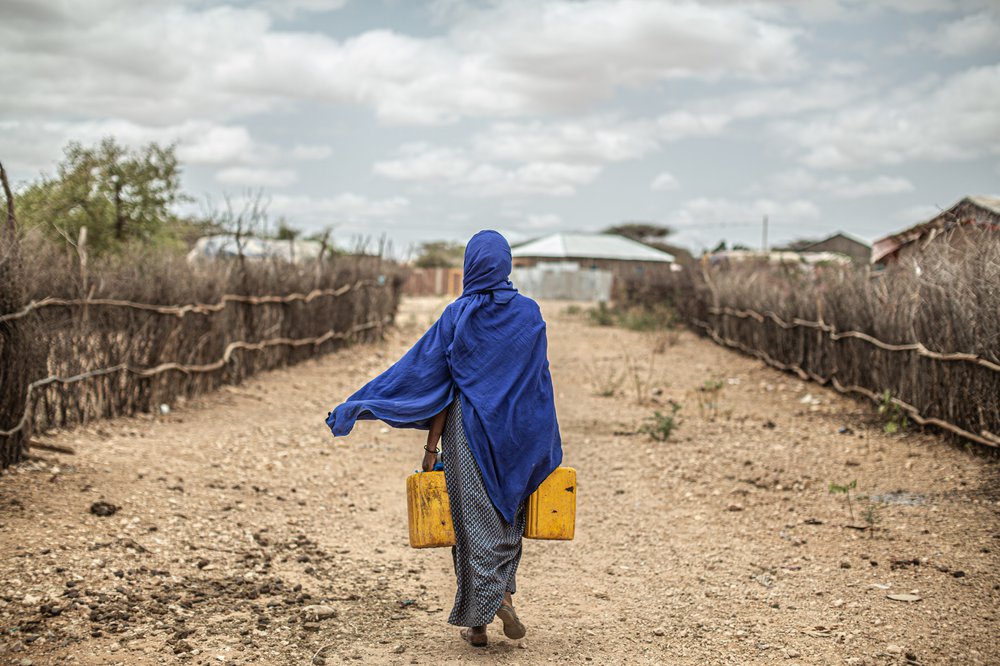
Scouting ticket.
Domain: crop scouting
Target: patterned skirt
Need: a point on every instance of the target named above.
(487, 550)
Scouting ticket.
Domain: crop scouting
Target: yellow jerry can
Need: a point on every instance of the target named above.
(552, 508)
(429, 511)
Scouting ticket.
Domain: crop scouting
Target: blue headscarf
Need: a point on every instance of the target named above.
(489, 347)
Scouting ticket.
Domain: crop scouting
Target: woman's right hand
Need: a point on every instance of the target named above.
(430, 457)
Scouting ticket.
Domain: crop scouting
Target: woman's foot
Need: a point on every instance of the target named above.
(512, 625)
(476, 636)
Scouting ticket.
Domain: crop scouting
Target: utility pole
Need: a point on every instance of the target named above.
(763, 241)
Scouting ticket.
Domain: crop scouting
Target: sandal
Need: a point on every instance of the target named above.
(512, 625)
(475, 640)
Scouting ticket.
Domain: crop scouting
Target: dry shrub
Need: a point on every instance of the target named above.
(946, 297)
(80, 339)
(21, 353)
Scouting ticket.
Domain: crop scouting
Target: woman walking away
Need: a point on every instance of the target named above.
(479, 377)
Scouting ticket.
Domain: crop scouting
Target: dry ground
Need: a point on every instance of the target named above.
(722, 545)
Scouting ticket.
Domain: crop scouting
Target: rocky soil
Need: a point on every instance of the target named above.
(235, 530)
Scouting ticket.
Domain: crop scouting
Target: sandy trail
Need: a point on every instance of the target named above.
(721, 545)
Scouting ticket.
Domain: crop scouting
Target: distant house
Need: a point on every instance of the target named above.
(841, 243)
(803, 260)
(593, 252)
(583, 266)
(225, 247)
(433, 282)
(970, 212)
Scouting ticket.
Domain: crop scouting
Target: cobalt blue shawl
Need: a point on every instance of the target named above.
(489, 346)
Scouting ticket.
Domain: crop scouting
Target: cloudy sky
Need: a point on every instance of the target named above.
(431, 120)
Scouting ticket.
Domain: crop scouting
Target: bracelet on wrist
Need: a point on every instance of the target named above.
(430, 450)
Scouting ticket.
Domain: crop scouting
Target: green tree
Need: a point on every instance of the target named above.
(286, 231)
(440, 254)
(644, 232)
(120, 195)
(653, 235)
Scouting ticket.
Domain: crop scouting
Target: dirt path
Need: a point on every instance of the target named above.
(721, 545)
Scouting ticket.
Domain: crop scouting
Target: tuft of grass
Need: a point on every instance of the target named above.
(605, 380)
(601, 315)
(708, 396)
(846, 490)
(635, 318)
(661, 425)
(895, 418)
(872, 515)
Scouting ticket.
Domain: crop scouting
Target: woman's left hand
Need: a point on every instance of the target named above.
(430, 457)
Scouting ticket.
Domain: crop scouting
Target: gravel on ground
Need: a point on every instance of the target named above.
(234, 529)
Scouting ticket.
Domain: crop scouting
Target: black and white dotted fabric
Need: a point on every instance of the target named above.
(487, 550)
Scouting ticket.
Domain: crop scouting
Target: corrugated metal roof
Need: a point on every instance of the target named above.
(590, 246)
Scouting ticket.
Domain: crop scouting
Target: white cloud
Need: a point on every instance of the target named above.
(955, 119)
(288, 9)
(968, 35)
(592, 139)
(32, 146)
(164, 63)
(664, 182)
(310, 153)
(701, 222)
(453, 170)
(915, 214)
(721, 212)
(839, 187)
(681, 124)
(424, 162)
(965, 36)
(254, 177)
(200, 143)
(527, 223)
(600, 139)
(579, 140)
(541, 178)
(346, 207)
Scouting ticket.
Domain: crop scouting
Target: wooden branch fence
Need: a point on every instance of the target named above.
(957, 392)
(923, 336)
(106, 357)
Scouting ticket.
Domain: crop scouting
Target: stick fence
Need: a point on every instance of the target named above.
(128, 348)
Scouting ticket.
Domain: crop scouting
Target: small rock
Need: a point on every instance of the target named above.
(845, 565)
(893, 649)
(792, 654)
(659, 631)
(734, 507)
(399, 649)
(316, 612)
(958, 574)
(102, 508)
